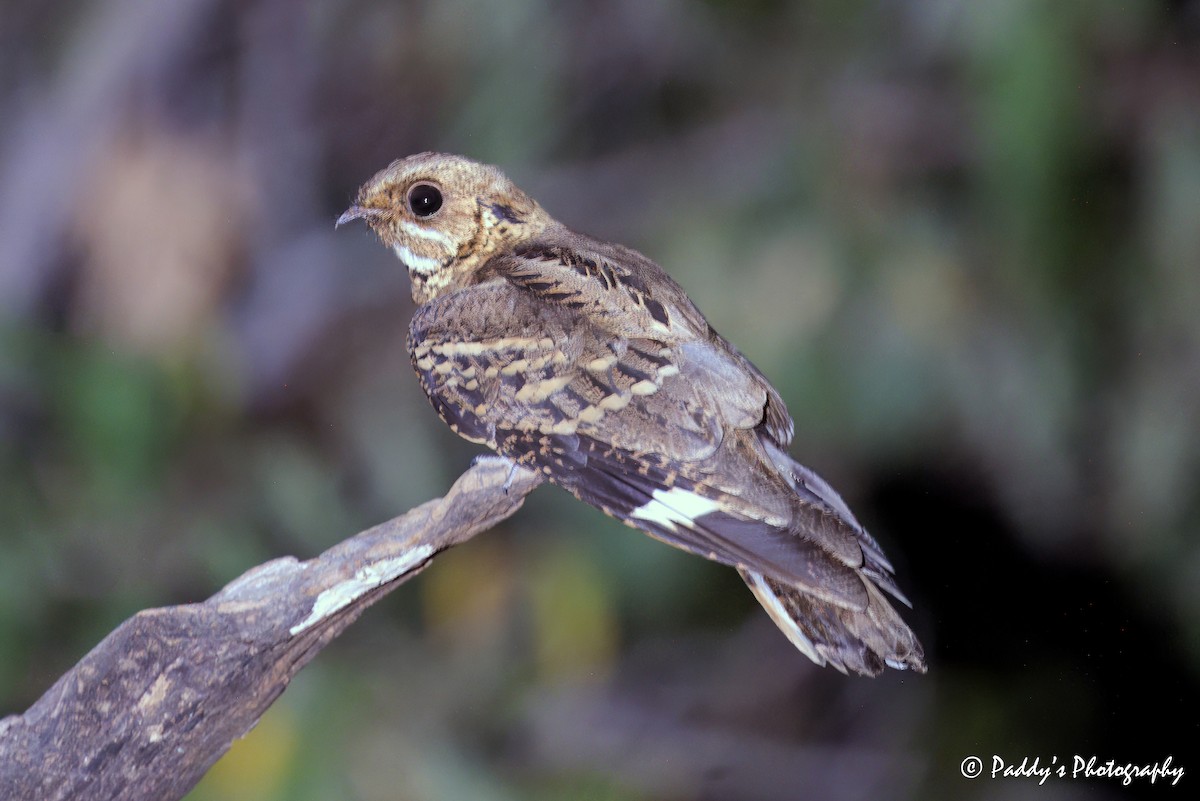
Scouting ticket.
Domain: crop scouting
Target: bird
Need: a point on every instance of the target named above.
(584, 360)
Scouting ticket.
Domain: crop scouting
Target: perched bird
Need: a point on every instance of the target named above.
(584, 360)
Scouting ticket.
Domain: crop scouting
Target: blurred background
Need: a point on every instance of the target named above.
(963, 238)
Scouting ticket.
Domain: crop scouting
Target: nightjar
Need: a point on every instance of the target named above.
(584, 360)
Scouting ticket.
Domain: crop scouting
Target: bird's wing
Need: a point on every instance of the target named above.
(625, 295)
(497, 359)
(612, 383)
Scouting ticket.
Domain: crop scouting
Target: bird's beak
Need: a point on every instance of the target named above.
(357, 212)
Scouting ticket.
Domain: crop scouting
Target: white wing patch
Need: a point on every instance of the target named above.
(674, 507)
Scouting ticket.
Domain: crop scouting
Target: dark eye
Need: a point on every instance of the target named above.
(424, 200)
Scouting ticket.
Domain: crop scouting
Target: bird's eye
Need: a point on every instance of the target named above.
(424, 200)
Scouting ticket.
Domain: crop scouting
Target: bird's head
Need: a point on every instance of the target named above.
(445, 216)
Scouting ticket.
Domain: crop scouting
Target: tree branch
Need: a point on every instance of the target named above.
(158, 701)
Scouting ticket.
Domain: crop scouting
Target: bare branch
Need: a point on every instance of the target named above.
(153, 706)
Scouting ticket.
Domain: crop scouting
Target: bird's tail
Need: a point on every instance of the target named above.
(863, 641)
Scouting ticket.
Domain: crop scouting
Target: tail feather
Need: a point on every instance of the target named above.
(820, 576)
(849, 640)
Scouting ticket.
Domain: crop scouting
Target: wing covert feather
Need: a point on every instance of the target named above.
(512, 362)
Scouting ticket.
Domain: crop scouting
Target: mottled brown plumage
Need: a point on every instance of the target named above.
(584, 360)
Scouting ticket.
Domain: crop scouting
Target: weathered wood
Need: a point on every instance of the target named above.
(158, 701)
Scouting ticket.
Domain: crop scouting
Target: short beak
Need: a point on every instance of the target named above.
(357, 212)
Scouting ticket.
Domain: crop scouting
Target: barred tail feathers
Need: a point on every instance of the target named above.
(832, 609)
(847, 639)
(840, 617)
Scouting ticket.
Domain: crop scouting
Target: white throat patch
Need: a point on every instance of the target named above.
(418, 264)
(412, 229)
